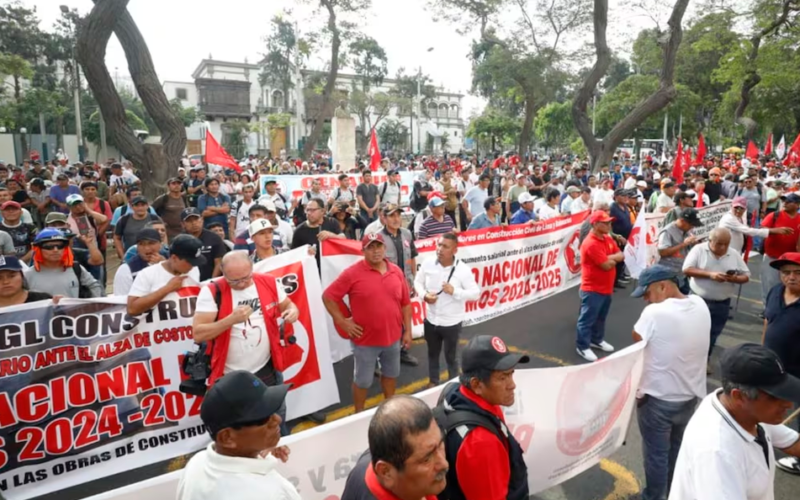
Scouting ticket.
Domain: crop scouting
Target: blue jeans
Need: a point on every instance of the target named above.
(592, 319)
(719, 310)
(662, 424)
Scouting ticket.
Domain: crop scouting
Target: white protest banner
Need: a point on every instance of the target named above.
(566, 419)
(87, 391)
(294, 186)
(638, 258)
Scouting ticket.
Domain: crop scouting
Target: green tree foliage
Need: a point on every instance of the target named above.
(554, 128)
(277, 64)
(92, 126)
(494, 129)
(368, 60)
(188, 115)
(392, 135)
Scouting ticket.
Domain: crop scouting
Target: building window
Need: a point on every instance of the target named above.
(180, 94)
(277, 99)
(455, 133)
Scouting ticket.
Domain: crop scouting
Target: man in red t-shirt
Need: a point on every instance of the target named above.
(776, 245)
(599, 257)
(379, 319)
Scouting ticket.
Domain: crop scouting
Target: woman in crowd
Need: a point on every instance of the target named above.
(13, 290)
(349, 219)
(55, 270)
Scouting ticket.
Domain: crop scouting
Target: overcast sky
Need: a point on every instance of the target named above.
(180, 33)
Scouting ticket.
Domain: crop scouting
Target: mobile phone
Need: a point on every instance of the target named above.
(83, 225)
(732, 272)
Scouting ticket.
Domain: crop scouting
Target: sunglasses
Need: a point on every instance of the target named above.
(54, 246)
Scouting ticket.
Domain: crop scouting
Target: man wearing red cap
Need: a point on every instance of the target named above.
(599, 258)
(374, 284)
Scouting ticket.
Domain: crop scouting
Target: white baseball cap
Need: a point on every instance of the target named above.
(525, 198)
(258, 225)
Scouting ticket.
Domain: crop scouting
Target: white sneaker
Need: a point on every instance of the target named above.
(789, 464)
(586, 354)
(603, 346)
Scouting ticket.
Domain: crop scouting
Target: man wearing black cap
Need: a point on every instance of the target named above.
(391, 190)
(675, 327)
(131, 223)
(777, 244)
(622, 225)
(148, 246)
(240, 413)
(283, 204)
(169, 206)
(675, 241)
(154, 283)
(486, 462)
(213, 247)
(682, 200)
(728, 445)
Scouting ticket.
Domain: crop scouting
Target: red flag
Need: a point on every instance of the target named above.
(793, 152)
(768, 147)
(374, 153)
(217, 155)
(677, 168)
(752, 151)
(701, 151)
(687, 158)
(699, 202)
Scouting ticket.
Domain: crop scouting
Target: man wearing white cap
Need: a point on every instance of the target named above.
(514, 193)
(573, 192)
(262, 234)
(525, 214)
(438, 222)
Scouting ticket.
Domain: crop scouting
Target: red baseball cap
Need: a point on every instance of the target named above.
(10, 204)
(787, 258)
(599, 216)
(435, 194)
(371, 238)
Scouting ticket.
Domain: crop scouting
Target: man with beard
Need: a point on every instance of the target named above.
(316, 228)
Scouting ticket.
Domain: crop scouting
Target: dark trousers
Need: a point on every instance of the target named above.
(435, 337)
(270, 376)
(592, 318)
(719, 310)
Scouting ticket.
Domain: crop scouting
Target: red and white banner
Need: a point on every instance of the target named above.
(641, 251)
(515, 266)
(566, 419)
(87, 391)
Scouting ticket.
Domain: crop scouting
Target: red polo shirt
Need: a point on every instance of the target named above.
(778, 244)
(376, 301)
(482, 464)
(378, 491)
(595, 251)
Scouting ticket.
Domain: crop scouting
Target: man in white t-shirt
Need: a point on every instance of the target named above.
(120, 179)
(153, 284)
(244, 314)
(240, 211)
(665, 202)
(727, 451)
(675, 327)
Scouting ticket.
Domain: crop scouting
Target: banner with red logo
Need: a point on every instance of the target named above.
(566, 420)
(295, 186)
(515, 266)
(641, 251)
(87, 391)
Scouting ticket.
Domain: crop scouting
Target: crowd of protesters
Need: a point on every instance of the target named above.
(212, 225)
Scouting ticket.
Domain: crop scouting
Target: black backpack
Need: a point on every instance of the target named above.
(83, 291)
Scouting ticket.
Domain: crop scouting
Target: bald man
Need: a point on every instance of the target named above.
(238, 312)
(715, 270)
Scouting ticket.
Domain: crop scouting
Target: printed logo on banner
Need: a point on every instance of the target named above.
(572, 253)
(589, 404)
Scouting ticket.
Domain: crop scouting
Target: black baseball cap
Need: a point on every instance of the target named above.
(240, 398)
(10, 263)
(138, 199)
(148, 234)
(621, 192)
(690, 216)
(791, 198)
(489, 353)
(187, 247)
(757, 366)
(190, 212)
(653, 274)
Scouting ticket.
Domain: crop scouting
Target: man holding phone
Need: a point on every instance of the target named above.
(675, 241)
(714, 271)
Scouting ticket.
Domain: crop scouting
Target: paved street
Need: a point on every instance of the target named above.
(550, 343)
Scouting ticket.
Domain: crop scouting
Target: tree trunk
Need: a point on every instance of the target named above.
(601, 151)
(327, 91)
(527, 126)
(59, 132)
(23, 140)
(752, 78)
(156, 162)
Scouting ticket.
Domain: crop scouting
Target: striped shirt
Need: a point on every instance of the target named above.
(431, 227)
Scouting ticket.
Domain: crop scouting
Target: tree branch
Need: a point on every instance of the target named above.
(523, 9)
(91, 51)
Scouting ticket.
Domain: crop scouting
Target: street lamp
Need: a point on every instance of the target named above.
(76, 87)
